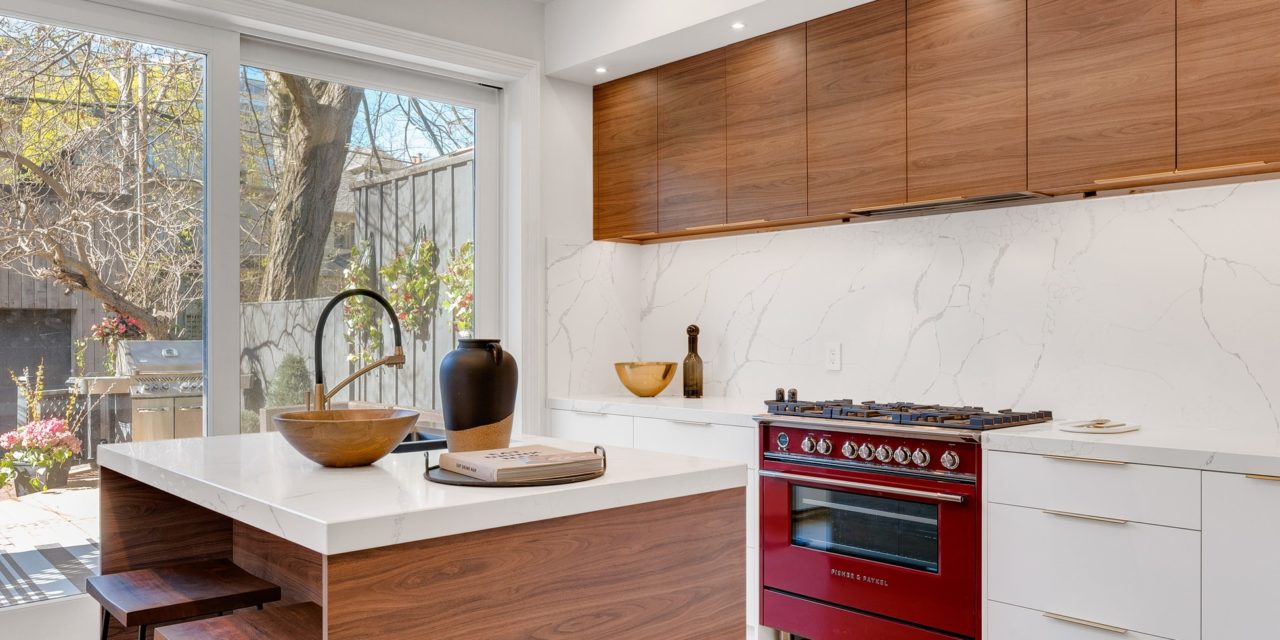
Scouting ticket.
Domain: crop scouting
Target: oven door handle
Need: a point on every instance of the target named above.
(846, 484)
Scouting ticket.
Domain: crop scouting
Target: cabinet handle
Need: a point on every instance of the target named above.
(1258, 476)
(1075, 459)
(190, 408)
(1068, 514)
(1182, 172)
(157, 410)
(690, 422)
(592, 414)
(1084, 623)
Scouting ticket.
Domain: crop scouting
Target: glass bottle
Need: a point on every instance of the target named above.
(693, 366)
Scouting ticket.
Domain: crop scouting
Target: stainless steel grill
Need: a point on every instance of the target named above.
(167, 387)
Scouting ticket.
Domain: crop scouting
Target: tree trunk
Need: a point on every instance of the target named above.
(316, 119)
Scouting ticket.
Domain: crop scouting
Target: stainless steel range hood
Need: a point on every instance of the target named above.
(947, 205)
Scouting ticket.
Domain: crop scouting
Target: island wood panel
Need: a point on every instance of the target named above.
(1228, 82)
(857, 106)
(966, 98)
(141, 526)
(691, 142)
(766, 120)
(1101, 91)
(298, 571)
(625, 141)
(667, 569)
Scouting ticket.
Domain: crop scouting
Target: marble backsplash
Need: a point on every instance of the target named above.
(1155, 308)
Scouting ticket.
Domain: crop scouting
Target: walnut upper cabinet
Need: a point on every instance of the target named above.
(625, 124)
(857, 77)
(1228, 82)
(765, 119)
(966, 98)
(691, 143)
(1101, 92)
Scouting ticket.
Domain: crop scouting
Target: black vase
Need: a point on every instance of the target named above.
(478, 383)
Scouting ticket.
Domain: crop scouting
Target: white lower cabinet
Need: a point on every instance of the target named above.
(1136, 577)
(596, 428)
(1241, 556)
(1008, 622)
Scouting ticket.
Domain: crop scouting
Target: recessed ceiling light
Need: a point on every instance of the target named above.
(738, 26)
(601, 70)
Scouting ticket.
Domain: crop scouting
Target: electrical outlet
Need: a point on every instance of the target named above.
(833, 356)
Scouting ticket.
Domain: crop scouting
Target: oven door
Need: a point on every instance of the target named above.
(904, 548)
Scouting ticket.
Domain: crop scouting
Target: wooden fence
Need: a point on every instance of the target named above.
(433, 200)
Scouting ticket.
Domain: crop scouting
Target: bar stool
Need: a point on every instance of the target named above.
(147, 597)
(288, 622)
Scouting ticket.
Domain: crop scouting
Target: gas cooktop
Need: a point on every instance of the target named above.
(906, 413)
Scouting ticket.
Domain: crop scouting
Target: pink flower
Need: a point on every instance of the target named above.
(47, 435)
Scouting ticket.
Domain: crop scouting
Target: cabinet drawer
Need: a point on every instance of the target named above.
(701, 439)
(1134, 492)
(1127, 575)
(1007, 622)
(594, 428)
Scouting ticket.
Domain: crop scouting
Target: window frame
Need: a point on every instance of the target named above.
(222, 48)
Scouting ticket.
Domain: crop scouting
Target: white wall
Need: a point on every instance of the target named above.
(509, 26)
(1158, 308)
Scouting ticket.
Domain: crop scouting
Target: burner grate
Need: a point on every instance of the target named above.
(907, 413)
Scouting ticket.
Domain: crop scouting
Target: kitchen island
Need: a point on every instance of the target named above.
(654, 548)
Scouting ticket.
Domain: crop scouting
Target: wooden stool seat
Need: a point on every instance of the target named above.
(289, 622)
(169, 593)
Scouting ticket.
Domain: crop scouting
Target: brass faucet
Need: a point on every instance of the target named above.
(396, 360)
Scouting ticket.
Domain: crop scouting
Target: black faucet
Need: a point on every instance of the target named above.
(322, 396)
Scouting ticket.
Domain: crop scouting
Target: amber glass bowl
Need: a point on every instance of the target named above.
(645, 379)
(346, 437)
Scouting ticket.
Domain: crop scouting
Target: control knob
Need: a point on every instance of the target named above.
(849, 449)
(920, 457)
(866, 452)
(807, 444)
(824, 446)
(884, 453)
(950, 460)
(902, 455)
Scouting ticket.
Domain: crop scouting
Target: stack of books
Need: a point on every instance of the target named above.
(523, 464)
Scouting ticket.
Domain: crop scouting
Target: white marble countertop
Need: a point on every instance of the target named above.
(260, 480)
(1230, 451)
(737, 412)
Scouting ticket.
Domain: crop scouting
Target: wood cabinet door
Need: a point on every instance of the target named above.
(766, 127)
(625, 127)
(1101, 91)
(1228, 82)
(691, 142)
(966, 98)
(857, 129)
(1241, 558)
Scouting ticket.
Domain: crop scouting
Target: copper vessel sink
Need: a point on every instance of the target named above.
(346, 437)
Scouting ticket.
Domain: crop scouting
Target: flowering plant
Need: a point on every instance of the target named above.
(362, 318)
(43, 445)
(110, 331)
(415, 287)
(459, 278)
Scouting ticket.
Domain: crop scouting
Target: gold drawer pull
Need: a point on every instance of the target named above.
(1085, 623)
(1068, 514)
(1258, 476)
(1075, 459)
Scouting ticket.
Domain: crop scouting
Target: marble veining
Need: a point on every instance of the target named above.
(1156, 308)
(260, 480)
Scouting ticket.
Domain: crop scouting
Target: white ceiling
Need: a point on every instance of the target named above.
(626, 36)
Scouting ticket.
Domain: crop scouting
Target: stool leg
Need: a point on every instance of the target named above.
(106, 623)
(142, 632)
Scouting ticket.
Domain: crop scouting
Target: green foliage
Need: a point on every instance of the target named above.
(459, 279)
(362, 316)
(414, 285)
(290, 384)
(249, 422)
